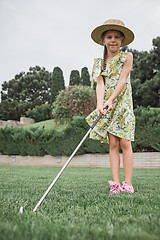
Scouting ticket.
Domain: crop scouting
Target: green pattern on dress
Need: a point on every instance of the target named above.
(120, 121)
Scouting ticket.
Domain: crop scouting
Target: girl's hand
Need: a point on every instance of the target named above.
(100, 109)
(108, 103)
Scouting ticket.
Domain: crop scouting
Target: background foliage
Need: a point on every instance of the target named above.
(85, 77)
(74, 78)
(77, 79)
(40, 113)
(40, 141)
(77, 100)
(25, 91)
(145, 75)
(57, 83)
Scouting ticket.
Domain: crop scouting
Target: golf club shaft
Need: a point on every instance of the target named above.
(68, 161)
(59, 174)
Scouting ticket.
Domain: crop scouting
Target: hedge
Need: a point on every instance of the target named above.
(40, 142)
(147, 128)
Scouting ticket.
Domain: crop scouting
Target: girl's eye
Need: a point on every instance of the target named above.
(109, 37)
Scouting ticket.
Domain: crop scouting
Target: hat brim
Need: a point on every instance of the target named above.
(97, 33)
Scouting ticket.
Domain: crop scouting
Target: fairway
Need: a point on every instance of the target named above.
(78, 206)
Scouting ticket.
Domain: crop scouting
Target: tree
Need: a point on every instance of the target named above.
(145, 75)
(146, 64)
(74, 78)
(147, 93)
(57, 83)
(155, 55)
(136, 88)
(25, 91)
(85, 77)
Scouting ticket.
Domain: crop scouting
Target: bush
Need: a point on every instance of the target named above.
(77, 101)
(40, 113)
(147, 128)
(39, 141)
(17, 141)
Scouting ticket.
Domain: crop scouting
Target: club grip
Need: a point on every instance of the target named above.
(98, 118)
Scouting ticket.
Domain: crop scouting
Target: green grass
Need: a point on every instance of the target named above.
(48, 124)
(79, 205)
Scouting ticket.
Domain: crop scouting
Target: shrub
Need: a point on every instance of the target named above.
(18, 141)
(77, 101)
(40, 141)
(147, 128)
(40, 113)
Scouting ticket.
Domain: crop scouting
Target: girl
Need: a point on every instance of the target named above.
(114, 90)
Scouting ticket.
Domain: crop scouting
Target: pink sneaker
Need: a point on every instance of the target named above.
(116, 188)
(127, 188)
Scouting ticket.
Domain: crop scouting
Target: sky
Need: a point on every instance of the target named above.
(51, 33)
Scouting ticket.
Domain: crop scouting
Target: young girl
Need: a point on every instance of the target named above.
(114, 90)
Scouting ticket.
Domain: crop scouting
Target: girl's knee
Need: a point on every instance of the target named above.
(114, 145)
(113, 142)
(125, 144)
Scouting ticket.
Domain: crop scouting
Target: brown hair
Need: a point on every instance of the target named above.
(104, 55)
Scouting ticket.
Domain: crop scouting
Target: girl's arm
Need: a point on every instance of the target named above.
(100, 90)
(121, 82)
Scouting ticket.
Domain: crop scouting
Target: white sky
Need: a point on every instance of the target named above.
(51, 33)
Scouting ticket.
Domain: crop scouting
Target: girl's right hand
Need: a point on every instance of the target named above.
(100, 110)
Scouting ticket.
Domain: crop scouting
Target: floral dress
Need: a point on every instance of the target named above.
(120, 121)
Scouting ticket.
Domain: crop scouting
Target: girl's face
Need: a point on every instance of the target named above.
(113, 40)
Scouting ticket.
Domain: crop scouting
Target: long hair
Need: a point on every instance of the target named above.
(104, 55)
(104, 58)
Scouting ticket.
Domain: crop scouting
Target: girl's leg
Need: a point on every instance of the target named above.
(114, 157)
(127, 159)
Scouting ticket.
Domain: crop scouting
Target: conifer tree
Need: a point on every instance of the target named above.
(57, 83)
(74, 78)
(85, 77)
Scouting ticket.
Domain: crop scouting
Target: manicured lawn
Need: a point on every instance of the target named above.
(48, 124)
(79, 205)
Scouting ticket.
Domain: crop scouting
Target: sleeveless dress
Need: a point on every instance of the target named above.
(120, 121)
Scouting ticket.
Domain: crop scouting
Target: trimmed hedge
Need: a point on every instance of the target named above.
(147, 129)
(40, 142)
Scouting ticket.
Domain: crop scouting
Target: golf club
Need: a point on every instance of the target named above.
(66, 164)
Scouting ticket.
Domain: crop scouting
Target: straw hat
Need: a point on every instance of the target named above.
(112, 24)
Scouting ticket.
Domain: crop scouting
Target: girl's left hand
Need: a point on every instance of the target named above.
(109, 104)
